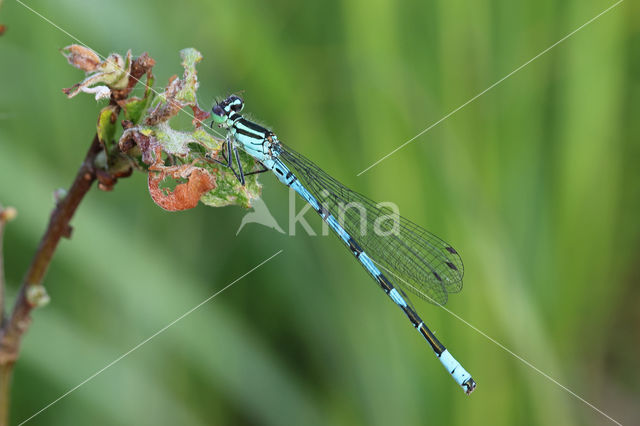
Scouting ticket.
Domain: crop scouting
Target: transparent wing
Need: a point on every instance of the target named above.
(421, 262)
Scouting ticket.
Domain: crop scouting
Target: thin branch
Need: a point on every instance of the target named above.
(6, 215)
(58, 227)
(2, 27)
(2, 281)
(5, 369)
(31, 293)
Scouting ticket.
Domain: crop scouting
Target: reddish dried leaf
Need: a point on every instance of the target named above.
(199, 115)
(185, 195)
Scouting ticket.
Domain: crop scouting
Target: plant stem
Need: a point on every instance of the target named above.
(5, 370)
(2, 282)
(5, 388)
(18, 323)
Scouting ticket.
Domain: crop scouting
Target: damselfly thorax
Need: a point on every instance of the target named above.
(256, 140)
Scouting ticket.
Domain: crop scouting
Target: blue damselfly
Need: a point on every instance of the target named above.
(423, 263)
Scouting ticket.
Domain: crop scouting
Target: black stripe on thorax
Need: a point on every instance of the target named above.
(246, 127)
(250, 134)
(253, 126)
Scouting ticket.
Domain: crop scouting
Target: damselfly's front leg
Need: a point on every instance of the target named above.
(240, 171)
(228, 162)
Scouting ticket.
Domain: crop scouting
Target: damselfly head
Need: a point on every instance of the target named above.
(222, 110)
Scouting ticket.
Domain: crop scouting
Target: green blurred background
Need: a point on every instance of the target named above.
(536, 183)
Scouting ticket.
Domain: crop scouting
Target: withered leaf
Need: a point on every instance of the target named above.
(185, 195)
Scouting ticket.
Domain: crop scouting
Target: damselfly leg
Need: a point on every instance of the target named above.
(230, 148)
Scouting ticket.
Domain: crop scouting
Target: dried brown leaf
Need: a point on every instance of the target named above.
(81, 57)
(185, 195)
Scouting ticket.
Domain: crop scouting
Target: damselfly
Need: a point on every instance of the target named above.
(423, 263)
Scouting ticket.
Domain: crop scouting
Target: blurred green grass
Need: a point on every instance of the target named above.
(535, 183)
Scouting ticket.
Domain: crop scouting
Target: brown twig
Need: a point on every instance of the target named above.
(5, 387)
(2, 283)
(31, 293)
(58, 227)
(2, 27)
(6, 215)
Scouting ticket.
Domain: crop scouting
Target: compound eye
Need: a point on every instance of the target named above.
(219, 116)
(217, 110)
